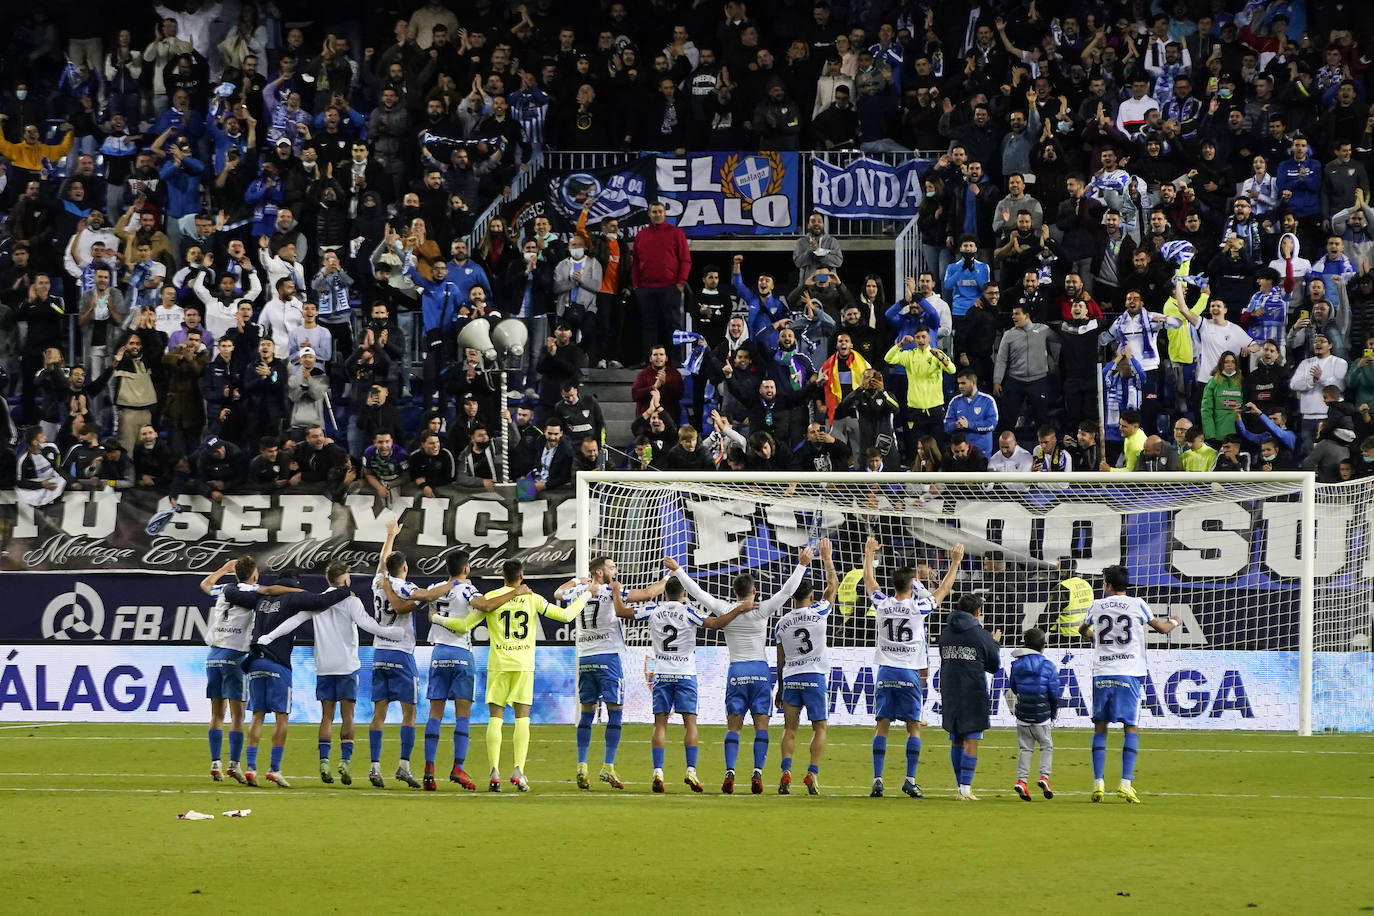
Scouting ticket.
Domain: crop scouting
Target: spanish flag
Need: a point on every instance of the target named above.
(835, 391)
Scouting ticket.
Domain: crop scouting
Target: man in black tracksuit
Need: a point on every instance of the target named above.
(967, 652)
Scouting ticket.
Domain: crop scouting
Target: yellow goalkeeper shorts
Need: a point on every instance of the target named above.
(506, 688)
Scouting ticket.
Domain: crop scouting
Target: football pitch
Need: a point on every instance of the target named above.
(1229, 822)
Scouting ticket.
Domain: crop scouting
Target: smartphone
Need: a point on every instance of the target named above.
(1369, 354)
(1303, 314)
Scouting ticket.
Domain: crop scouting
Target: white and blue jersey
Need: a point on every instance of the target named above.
(673, 633)
(806, 668)
(452, 673)
(600, 640)
(749, 683)
(228, 633)
(900, 655)
(394, 675)
(1119, 625)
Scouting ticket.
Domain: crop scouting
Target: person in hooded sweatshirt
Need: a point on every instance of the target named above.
(1036, 691)
(1290, 265)
(967, 653)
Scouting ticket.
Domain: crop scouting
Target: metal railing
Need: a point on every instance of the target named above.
(518, 184)
(840, 227)
(906, 235)
(907, 247)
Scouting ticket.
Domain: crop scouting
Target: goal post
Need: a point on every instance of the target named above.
(1269, 572)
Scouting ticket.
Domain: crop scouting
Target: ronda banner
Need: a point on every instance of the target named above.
(106, 531)
(868, 188)
(706, 194)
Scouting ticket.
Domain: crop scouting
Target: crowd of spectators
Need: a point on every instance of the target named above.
(237, 255)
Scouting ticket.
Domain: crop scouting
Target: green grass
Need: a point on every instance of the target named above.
(1230, 822)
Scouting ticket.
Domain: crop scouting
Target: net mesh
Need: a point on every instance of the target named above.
(1226, 558)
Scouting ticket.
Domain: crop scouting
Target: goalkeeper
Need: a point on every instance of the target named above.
(513, 623)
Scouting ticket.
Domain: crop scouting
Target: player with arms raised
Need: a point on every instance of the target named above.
(804, 671)
(452, 671)
(513, 622)
(228, 634)
(901, 658)
(600, 642)
(673, 632)
(1116, 624)
(749, 683)
(336, 663)
(394, 675)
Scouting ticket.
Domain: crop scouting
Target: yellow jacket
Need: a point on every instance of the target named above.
(25, 156)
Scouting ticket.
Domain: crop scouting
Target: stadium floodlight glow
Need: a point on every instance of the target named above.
(1268, 570)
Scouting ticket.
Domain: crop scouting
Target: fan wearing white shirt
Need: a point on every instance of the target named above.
(1216, 336)
(282, 314)
(1010, 457)
(221, 303)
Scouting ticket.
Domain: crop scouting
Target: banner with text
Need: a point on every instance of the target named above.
(705, 194)
(1186, 689)
(141, 608)
(106, 531)
(868, 188)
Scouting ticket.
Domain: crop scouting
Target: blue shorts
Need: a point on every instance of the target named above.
(748, 688)
(675, 693)
(336, 687)
(967, 736)
(451, 674)
(897, 694)
(394, 676)
(223, 676)
(269, 687)
(1116, 698)
(600, 680)
(809, 691)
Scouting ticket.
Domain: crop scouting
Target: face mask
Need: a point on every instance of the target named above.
(612, 236)
(309, 165)
(576, 253)
(930, 194)
(21, 94)
(531, 256)
(1064, 126)
(1228, 372)
(968, 260)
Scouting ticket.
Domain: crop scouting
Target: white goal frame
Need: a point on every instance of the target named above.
(1304, 483)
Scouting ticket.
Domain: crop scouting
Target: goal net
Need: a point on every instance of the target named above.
(1274, 636)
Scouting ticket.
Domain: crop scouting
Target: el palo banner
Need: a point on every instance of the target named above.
(867, 188)
(706, 194)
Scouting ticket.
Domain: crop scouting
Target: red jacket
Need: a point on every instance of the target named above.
(661, 256)
(669, 393)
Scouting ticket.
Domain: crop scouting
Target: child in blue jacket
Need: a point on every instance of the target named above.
(1036, 691)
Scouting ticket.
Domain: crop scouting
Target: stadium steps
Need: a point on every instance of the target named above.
(611, 388)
